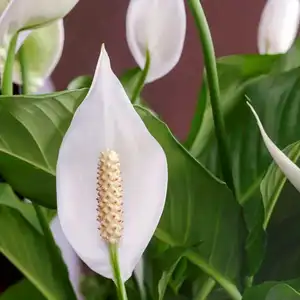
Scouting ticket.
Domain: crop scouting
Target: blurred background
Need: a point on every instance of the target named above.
(233, 24)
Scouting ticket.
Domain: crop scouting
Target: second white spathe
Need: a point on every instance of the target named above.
(290, 170)
(42, 49)
(278, 26)
(26, 14)
(69, 256)
(158, 27)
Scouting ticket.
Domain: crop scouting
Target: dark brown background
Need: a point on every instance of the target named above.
(233, 24)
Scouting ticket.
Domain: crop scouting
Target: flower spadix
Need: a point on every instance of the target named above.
(291, 171)
(278, 26)
(158, 27)
(111, 177)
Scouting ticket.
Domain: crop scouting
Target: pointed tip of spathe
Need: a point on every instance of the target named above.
(104, 60)
(254, 113)
(102, 67)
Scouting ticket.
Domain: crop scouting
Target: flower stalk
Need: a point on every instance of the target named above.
(213, 85)
(141, 82)
(24, 71)
(114, 259)
(7, 78)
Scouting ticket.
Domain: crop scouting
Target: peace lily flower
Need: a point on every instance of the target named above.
(26, 14)
(42, 49)
(69, 256)
(278, 26)
(291, 171)
(158, 27)
(111, 178)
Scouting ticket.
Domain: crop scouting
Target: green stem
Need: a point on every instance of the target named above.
(206, 289)
(7, 79)
(58, 264)
(24, 71)
(135, 99)
(114, 259)
(213, 85)
(248, 281)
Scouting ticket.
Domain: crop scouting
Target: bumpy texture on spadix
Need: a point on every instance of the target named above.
(106, 120)
(109, 197)
(158, 26)
(278, 26)
(291, 171)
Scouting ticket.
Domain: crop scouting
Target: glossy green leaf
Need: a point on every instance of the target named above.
(235, 72)
(274, 181)
(170, 259)
(80, 82)
(9, 198)
(283, 291)
(200, 211)
(22, 290)
(276, 100)
(282, 260)
(31, 130)
(26, 248)
(265, 290)
(94, 287)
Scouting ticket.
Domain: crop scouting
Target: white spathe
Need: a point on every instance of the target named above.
(69, 256)
(105, 120)
(159, 27)
(24, 14)
(291, 171)
(278, 26)
(47, 88)
(42, 49)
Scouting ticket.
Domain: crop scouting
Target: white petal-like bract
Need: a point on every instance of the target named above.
(25, 14)
(291, 170)
(278, 26)
(42, 50)
(69, 256)
(105, 120)
(159, 27)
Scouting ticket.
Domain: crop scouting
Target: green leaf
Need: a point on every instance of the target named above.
(94, 287)
(22, 290)
(282, 291)
(80, 82)
(171, 259)
(25, 247)
(270, 289)
(276, 100)
(235, 72)
(282, 261)
(274, 181)
(31, 131)
(200, 211)
(9, 198)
